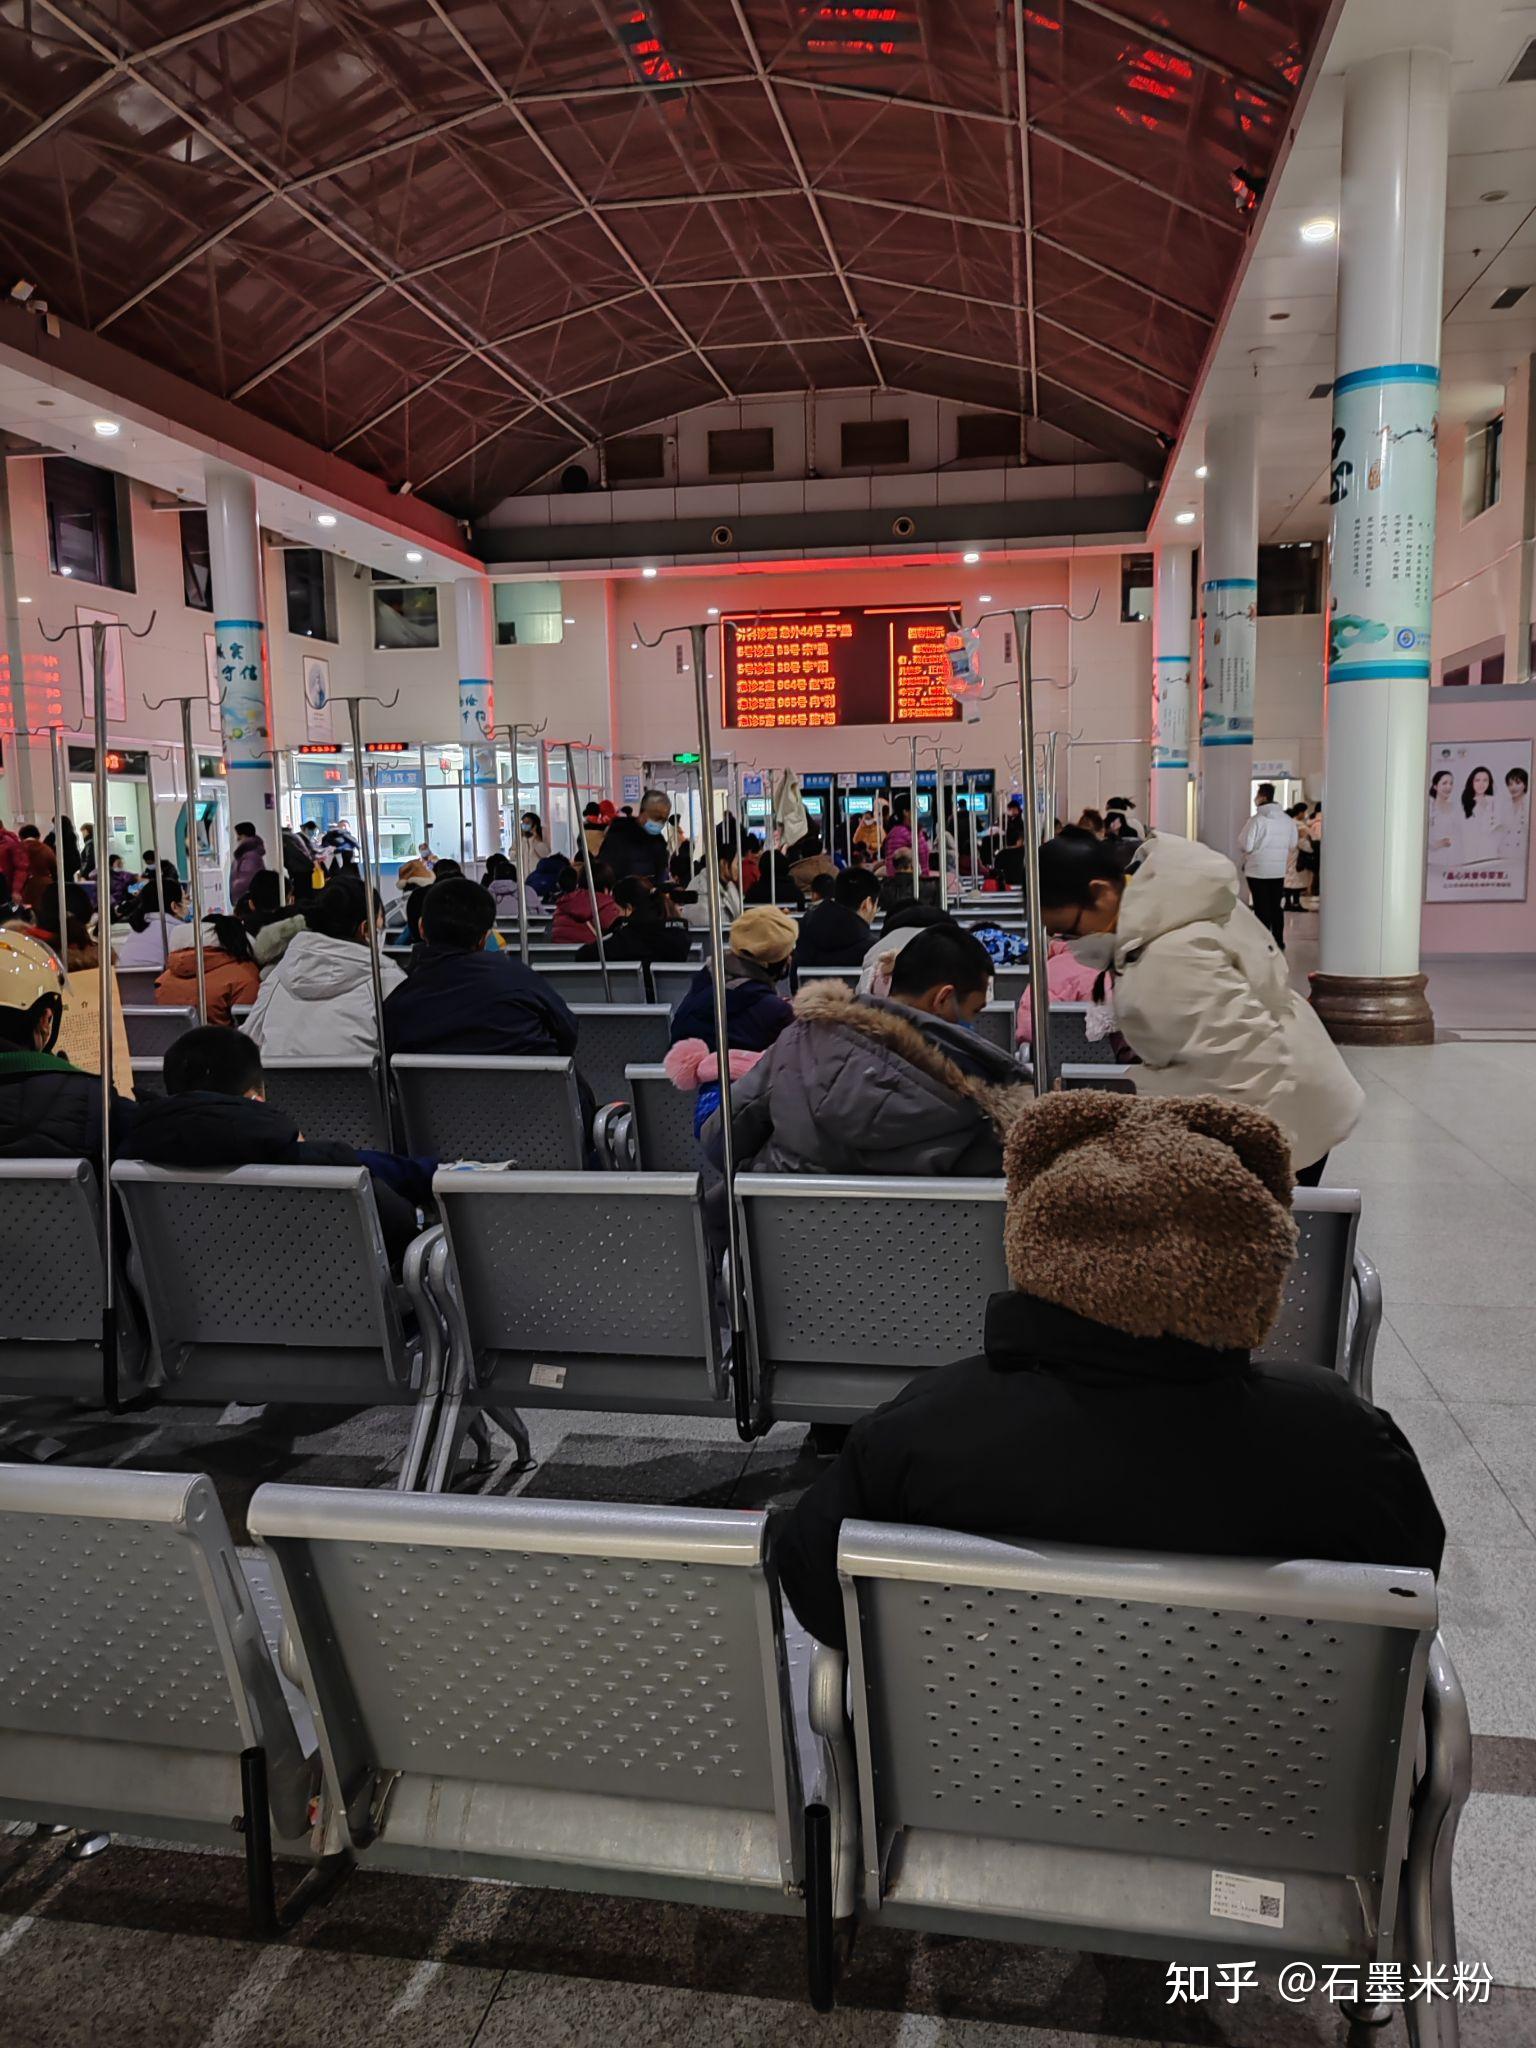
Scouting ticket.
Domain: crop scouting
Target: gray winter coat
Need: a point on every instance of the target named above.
(859, 1085)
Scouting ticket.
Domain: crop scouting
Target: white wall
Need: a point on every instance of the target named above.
(1483, 565)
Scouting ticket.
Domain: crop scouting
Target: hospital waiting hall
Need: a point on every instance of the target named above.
(767, 1024)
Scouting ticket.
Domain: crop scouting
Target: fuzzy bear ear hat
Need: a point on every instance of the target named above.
(1162, 1217)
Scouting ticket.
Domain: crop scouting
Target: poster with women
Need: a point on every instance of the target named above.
(1479, 838)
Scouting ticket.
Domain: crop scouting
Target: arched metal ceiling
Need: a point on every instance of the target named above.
(459, 240)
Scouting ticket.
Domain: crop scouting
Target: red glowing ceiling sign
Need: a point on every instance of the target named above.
(842, 665)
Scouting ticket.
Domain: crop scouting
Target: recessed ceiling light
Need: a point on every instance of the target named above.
(970, 556)
(1493, 198)
(1279, 316)
(1183, 518)
(23, 600)
(106, 428)
(570, 621)
(1203, 470)
(413, 554)
(1322, 229)
(985, 597)
(66, 570)
(47, 401)
(634, 646)
(647, 572)
(714, 611)
(325, 519)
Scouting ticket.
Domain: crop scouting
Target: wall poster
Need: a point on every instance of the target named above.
(1479, 837)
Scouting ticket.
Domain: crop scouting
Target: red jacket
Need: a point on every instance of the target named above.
(14, 865)
(42, 873)
(572, 921)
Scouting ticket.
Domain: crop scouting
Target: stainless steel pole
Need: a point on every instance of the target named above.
(149, 777)
(917, 842)
(970, 812)
(520, 862)
(1039, 985)
(370, 917)
(847, 824)
(277, 801)
(194, 865)
(474, 821)
(56, 765)
(943, 835)
(741, 1365)
(107, 991)
(773, 865)
(586, 861)
(426, 811)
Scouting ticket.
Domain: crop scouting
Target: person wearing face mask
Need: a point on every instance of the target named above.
(1202, 996)
(894, 1085)
(638, 846)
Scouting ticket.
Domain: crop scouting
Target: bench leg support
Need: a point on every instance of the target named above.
(256, 1829)
(820, 1932)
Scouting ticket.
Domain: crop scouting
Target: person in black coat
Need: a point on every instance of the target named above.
(459, 997)
(649, 929)
(214, 1113)
(1116, 1402)
(48, 1109)
(836, 934)
(638, 846)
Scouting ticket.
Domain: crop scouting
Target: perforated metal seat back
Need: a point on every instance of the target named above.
(1070, 1042)
(996, 1025)
(672, 979)
(262, 1255)
(626, 982)
(604, 1668)
(598, 1265)
(663, 1122)
(1314, 1309)
(525, 1111)
(1009, 984)
(614, 1036)
(338, 1100)
(922, 1302)
(136, 985)
(49, 1225)
(1219, 1729)
(155, 1031)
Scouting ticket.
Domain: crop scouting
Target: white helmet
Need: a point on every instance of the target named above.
(29, 975)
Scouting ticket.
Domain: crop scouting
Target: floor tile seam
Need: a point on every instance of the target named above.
(1440, 1124)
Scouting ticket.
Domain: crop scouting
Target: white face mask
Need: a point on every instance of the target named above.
(1095, 950)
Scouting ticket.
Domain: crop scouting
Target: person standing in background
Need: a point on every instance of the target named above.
(1269, 841)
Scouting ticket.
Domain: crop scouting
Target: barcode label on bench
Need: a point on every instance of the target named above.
(1260, 1901)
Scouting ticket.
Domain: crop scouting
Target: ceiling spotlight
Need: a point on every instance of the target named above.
(634, 646)
(1488, 198)
(647, 572)
(325, 519)
(413, 554)
(1321, 229)
(1183, 518)
(970, 556)
(985, 597)
(106, 428)
(1202, 471)
(66, 570)
(714, 611)
(23, 600)
(570, 621)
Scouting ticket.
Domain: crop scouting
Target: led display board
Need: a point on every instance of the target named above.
(845, 665)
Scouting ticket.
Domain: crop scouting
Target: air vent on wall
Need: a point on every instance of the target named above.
(874, 444)
(736, 451)
(1523, 71)
(1511, 295)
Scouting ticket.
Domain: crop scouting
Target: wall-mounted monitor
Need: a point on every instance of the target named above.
(858, 806)
(845, 665)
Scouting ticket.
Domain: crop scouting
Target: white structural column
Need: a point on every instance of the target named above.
(475, 637)
(1229, 609)
(239, 625)
(1170, 689)
(1385, 404)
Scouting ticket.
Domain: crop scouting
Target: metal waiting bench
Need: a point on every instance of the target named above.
(626, 982)
(831, 1355)
(672, 979)
(270, 1283)
(152, 1031)
(615, 1036)
(139, 1681)
(531, 1325)
(551, 1693)
(51, 1318)
(136, 985)
(1176, 1757)
(660, 1128)
(331, 1098)
(483, 1106)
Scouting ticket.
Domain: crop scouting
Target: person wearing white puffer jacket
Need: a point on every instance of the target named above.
(1268, 844)
(317, 1001)
(1202, 996)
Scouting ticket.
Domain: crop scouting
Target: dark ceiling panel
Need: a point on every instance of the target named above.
(458, 239)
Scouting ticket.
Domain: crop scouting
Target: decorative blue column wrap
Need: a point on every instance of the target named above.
(246, 714)
(477, 710)
(1229, 610)
(1385, 428)
(1170, 711)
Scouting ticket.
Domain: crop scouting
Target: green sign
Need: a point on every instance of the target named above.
(687, 760)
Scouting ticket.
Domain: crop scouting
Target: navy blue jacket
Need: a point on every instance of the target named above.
(476, 1002)
(755, 1012)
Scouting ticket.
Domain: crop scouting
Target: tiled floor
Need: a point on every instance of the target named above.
(145, 1946)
